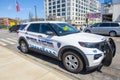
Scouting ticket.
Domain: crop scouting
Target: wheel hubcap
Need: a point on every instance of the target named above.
(71, 62)
(23, 47)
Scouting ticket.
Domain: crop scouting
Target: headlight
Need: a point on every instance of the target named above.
(88, 45)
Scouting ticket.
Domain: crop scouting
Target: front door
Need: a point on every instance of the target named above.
(46, 41)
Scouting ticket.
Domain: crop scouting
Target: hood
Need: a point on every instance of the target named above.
(85, 37)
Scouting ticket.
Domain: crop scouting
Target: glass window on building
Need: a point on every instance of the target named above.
(53, 2)
(76, 1)
(76, 5)
(58, 10)
(76, 9)
(73, 13)
(73, 4)
(63, 5)
(58, 14)
(49, 4)
(58, 6)
(76, 18)
(63, 9)
(68, 4)
(63, 1)
(68, 8)
(54, 11)
(58, 2)
(68, 13)
(49, 11)
(63, 14)
(49, 7)
(54, 7)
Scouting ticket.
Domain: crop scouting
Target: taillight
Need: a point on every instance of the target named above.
(17, 32)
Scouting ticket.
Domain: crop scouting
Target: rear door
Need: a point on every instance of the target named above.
(32, 34)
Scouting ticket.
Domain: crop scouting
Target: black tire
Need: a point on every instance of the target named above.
(112, 46)
(75, 64)
(88, 31)
(24, 46)
(112, 33)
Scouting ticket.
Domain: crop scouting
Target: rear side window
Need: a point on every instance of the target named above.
(105, 25)
(114, 25)
(34, 28)
(22, 27)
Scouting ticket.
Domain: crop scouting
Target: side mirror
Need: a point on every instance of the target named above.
(49, 33)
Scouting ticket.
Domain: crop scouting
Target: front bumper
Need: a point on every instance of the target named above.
(106, 49)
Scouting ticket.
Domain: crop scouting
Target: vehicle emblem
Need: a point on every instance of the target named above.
(95, 51)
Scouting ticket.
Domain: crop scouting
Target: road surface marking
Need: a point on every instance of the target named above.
(12, 39)
(4, 40)
(2, 43)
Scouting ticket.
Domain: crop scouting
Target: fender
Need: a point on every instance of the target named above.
(22, 38)
(61, 51)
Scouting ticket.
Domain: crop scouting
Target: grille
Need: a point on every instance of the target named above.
(102, 46)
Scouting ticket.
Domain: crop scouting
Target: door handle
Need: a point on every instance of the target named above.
(39, 36)
(26, 33)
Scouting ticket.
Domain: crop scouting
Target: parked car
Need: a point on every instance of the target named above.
(14, 28)
(108, 28)
(60, 40)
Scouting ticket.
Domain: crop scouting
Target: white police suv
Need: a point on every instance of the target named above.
(60, 40)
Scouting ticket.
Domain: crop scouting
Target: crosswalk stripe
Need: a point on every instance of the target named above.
(15, 38)
(12, 39)
(4, 40)
(2, 43)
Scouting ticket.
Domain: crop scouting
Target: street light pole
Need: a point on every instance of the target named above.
(35, 12)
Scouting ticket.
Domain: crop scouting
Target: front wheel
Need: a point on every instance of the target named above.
(72, 62)
(24, 47)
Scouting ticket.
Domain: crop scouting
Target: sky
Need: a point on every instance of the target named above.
(8, 8)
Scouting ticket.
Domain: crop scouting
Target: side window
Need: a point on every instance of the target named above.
(95, 25)
(22, 27)
(105, 25)
(44, 28)
(114, 25)
(34, 28)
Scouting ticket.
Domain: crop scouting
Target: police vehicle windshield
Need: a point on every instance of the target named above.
(64, 28)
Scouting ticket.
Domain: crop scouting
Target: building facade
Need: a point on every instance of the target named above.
(111, 11)
(73, 11)
(7, 22)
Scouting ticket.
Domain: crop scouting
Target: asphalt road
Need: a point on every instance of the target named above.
(9, 40)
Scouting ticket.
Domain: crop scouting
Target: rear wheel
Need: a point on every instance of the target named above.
(72, 62)
(88, 31)
(24, 46)
(112, 34)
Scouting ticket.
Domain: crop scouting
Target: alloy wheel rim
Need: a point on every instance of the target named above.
(71, 62)
(23, 47)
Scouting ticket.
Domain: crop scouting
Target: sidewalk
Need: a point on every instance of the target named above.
(14, 67)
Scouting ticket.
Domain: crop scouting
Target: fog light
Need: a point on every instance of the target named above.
(96, 56)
